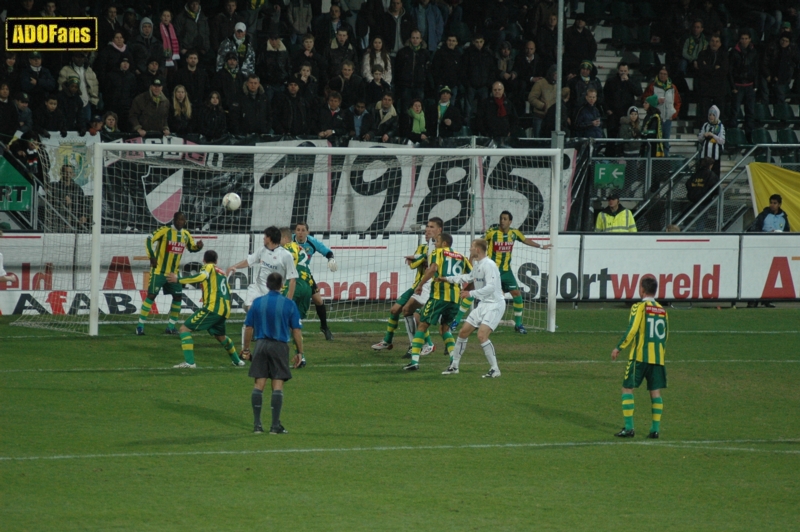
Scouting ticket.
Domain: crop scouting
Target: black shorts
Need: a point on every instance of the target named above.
(270, 361)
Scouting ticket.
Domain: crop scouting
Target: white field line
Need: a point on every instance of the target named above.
(688, 444)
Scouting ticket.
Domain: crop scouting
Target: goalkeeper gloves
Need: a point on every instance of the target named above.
(332, 265)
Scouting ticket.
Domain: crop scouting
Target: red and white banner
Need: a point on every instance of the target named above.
(770, 266)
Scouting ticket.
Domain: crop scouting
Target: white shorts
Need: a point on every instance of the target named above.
(254, 291)
(426, 293)
(489, 314)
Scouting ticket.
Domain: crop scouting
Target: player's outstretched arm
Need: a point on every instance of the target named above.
(531, 242)
(236, 266)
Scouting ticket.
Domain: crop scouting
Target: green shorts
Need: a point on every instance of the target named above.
(636, 372)
(508, 282)
(404, 297)
(205, 320)
(159, 282)
(436, 311)
(302, 297)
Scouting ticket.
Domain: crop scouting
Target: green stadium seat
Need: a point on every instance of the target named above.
(761, 136)
(647, 62)
(621, 37)
(787, 136)
(593, 9)
(782, 112)
(621, 12)
(762, 113)
(643, 34)
(735, 140)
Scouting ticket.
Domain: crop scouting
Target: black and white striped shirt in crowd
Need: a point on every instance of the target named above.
(712, 147)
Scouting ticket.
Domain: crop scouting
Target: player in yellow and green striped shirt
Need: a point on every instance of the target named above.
(501, 240)
(164, 249)
(216, 310)
(304, 285)
(443, 303)
(648, 328)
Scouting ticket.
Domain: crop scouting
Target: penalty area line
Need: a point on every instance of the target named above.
(688, 444)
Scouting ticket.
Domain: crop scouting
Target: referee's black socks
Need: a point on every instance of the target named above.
(256, 399)
(277, 404)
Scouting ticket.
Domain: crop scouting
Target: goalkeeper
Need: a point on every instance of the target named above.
(304, 286)
(311, 245)
(501, 240)
(164, 249)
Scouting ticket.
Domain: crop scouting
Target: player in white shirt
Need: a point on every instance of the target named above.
(3, 275)
(489, 308)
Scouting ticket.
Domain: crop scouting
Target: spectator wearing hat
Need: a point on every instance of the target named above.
(630, 128)
(109, 57)
(580, 85)
(376, 88)
(542, 97)
(9, 119)
(150, 111)
(146, 46)
(615, 218)
(669, 102)
(579, 46)
(191, 27)
(71, 105)
(145, 79)
(240, 44)
(712, 138)
(49, 117)
(36, 80)
(385, 122)
(479, 70)
(192, 76)
(273, 66)
(428, 19)
(250, 114)
(9, 72)
(24, 114)
(497, 117)
(224, 24)
(292, 112)
(90, 87)
(229, 80)
(360, 120)
(130, 24)
(169, 40)
(120, 88)
(443, 118)
(348, 84)
(651, 127)
(95, 125)
(446, 65)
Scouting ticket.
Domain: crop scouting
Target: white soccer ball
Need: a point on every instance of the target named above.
(231, 201)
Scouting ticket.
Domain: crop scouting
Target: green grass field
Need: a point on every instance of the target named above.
(101, 433)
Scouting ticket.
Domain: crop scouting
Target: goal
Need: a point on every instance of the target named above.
(368, 203)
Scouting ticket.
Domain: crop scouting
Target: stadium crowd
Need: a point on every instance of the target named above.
(392, 70)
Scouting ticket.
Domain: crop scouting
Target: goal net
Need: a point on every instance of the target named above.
(368, 204)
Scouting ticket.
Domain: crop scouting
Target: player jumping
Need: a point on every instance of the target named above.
(304, 287)
(500, 239)
(164, 249)
(311, 245)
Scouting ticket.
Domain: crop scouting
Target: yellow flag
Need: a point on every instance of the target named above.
(768, 179)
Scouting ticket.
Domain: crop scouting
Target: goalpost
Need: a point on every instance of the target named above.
(368, 203)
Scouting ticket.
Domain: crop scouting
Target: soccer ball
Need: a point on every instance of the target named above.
(231, 201)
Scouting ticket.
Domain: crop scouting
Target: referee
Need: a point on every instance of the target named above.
(271, 317)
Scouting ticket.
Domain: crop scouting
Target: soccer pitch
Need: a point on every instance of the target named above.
(102, 434)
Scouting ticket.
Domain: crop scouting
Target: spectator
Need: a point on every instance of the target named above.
(71, 105)
(547, 40)
(579, 46)
(37, 81)
(479, 70)
(211, 119)
(375, 89)
(299, 15)
(678, 26)
(630, 128)
(651, 128)
(712, 75)
(695, 43)
(496, 22)
(228, 82)
(292, 111)
(615, 218)
(705, 13)
(328, 25)
(743, 61)
(528, 68)
(412, 124)
(669, 102)
(224, 24)
(504, 61)
(9, 119)
(698, 185)
(539, 16)
(24, 114)
(497, 117)
(712, 138)
(95, 125)
(412, 63)
(191, 27)
(772, 219)
(620, 92)
(150, 111)
(69, 209)
(120, 88)
(371, 19)
(251, 114)
(348, 84)
(169, 40)
(309, 54)
(541, 98)
(273, 66)
(340, 50)
(145, 79)
(180, 116)
(146, 46)
(49, 118)
(376, 55)
(110, 130)
(580, 85)
(49, 9)
(588, 118)
(107, 25)
(397, 26)
(443, 119)
(9, 72)
(360, 120)
(109, 57)
(428, 19)
(309, 85)
(385, 122)
(333, 120)
(779, 65)
(446, 65)
(238, 43)
(26, 149)
(90, 88)
(193, 77)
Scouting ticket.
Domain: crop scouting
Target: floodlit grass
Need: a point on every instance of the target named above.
(101, 433)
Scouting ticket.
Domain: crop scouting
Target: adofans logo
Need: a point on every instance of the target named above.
(56, 34)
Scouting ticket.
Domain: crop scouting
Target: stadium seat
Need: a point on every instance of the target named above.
(787, 136)
(621, 38)
(643, 34)
(761, 136)
(646, 11)
(782, 112)
(728, 37)
(762, 113)
(593, 9)
(735, 139)
(647, 61)
(462, 33)
(621, 12)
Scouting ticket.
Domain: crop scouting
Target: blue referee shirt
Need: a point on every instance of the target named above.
(273, 316)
